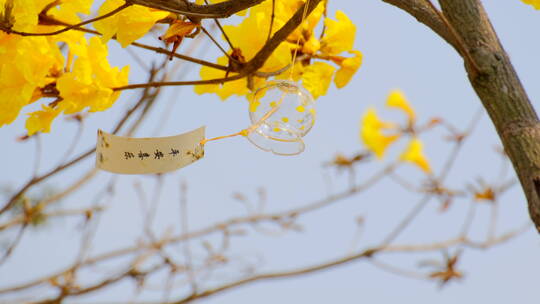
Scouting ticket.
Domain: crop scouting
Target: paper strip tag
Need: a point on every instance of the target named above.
(127, 155)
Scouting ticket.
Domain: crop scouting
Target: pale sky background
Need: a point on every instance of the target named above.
(398, 53)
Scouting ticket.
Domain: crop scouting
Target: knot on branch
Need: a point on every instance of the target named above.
(520, 127)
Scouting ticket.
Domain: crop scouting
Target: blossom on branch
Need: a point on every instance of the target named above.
(313, 53)
(378, 135)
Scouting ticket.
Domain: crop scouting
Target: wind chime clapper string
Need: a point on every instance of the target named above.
(281, 113)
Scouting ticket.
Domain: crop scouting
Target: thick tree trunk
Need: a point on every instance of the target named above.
(498, 86)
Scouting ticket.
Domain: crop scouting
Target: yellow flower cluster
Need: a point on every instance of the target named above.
(129, 24)
(534, 3)
(313, 54)
(73, 69)
(68, 67)
(373, 132)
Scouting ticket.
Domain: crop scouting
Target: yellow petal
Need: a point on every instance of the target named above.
(371, 134)
(534, 3)
(40, 121)
(250, 36)
(15, 93)
(414, 154)
(24, 13)
(179, 28)
(294, 73)
(89, 84)
(224, 90)
(254, 105)
(349, 66)
(311, 46)
(129, 24)
(396, 99)
(339, 35)
(317, 78)
(284, 11)
(36, 58)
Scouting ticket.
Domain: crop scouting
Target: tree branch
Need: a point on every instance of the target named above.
(495, 81)
(421, 10)
(184, 7)
(251, 66)
(260, 58)
(501, 92)
(70, 27)
(367, 253)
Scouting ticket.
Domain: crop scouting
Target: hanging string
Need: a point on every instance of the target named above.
(304, 14)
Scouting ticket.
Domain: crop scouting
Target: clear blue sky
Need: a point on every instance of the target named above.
(398, 53)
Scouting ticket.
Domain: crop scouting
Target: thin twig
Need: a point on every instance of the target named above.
(71, 27)
(397, 270)
(180, 56)
(185, 230)
(217, 44)
(74, 142)
(464, 50)
(13, 244)
(38, 154)
(228, 224)
(222, 30)
(271, 20)
(178, 83)
(36, 180)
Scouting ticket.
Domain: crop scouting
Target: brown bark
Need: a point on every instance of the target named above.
(502, 94)
(184, 7)
(495, 82)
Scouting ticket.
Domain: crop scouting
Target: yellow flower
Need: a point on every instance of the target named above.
(24, 13)
(371, 134)
(339, 35)
(348, 68)
(250, 36)
(36, 58)
(311, 46)
(396, 99)
(284, 11)
(534, 3)
(68, 12)
(317, 78)
(129, 24)
(15, 93)
(224, 90)
(76, 6)
(90, 82)
(414, 154)
(40, 121)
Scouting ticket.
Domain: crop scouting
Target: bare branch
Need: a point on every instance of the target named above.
(498, 86)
